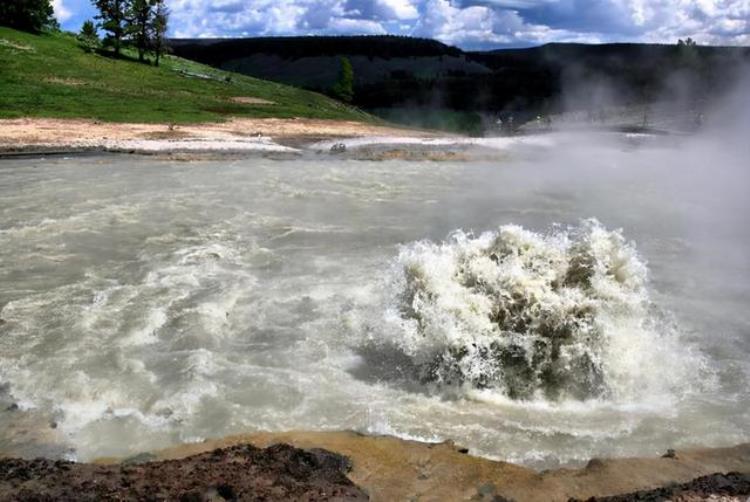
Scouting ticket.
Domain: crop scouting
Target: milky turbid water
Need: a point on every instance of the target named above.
(575, 297)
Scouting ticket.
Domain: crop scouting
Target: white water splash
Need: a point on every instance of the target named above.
(556, 316)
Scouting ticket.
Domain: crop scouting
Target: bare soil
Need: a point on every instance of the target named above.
(248, 100)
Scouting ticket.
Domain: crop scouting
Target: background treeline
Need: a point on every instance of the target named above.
(374, 46)
(424, 82)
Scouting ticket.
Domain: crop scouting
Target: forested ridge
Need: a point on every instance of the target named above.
(395, 75)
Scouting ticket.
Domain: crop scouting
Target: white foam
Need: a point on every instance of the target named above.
(262, 144)
(557, 316)
(114, 323)
(496, 143)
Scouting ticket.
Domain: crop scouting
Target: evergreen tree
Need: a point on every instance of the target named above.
(140, 19)
(88, 38)
(113, 20)
(159, 29)
(343, 89)
(27, 15)
(689, 56)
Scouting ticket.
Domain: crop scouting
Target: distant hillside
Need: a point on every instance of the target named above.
(313, 62)
(381, 46)
(49, 75)
(450, 88)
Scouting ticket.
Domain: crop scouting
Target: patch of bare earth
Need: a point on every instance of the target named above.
(247, 100)
(71, 82)
(4, 42)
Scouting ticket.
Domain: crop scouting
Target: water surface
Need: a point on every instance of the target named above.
(147, 302)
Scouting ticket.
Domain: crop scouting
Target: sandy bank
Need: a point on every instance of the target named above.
(265, 135)
(389, 468)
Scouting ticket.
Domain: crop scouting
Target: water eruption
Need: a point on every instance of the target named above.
(529, 314)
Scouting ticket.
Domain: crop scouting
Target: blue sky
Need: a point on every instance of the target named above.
(465, 23)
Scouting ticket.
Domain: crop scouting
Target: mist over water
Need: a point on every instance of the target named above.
(147, 302)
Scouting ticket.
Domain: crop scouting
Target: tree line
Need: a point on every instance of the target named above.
(141, 24)
(371, 46)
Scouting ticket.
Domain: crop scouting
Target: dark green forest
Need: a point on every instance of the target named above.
(470, 91)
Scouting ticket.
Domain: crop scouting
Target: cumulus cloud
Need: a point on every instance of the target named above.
(62, 13)
(449, 23)
(707, 21)
(466, 23)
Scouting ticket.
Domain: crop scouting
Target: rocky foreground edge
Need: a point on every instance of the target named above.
(352, 466)
(241, 472)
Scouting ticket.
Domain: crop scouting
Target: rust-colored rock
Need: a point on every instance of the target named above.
(242, 472)
(731, 486)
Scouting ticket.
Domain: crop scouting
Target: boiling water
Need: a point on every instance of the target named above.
(561, 302)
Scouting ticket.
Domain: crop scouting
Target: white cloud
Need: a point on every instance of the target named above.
(449, 23)
(399, 9)
(62, 13)
(361, 26)
(470, 22)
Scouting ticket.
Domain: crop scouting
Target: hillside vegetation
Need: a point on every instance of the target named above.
(425, 83)
(49, 75)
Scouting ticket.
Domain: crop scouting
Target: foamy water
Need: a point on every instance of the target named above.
(551, 317)
(557, 304)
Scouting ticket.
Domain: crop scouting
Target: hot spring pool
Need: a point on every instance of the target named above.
(147, 302)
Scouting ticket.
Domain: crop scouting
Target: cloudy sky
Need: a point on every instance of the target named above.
(465, 23)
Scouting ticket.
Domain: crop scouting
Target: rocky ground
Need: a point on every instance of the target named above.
(374, 468)
(715, 487)
(241, 472)
(390, 468)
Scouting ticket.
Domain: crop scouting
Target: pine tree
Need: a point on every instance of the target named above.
(159, 29)
(113, 20)
(27, 15)
(343, 89)
(140, 19)
(88, 38)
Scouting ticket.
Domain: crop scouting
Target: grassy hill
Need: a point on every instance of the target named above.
(49, 75)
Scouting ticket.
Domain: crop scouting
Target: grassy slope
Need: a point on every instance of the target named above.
(50, 76)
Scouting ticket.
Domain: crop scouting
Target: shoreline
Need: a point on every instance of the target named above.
(41, 136)
(389, 468)
(280, 139)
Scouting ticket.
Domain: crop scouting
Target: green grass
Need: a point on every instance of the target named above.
(49, 75)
